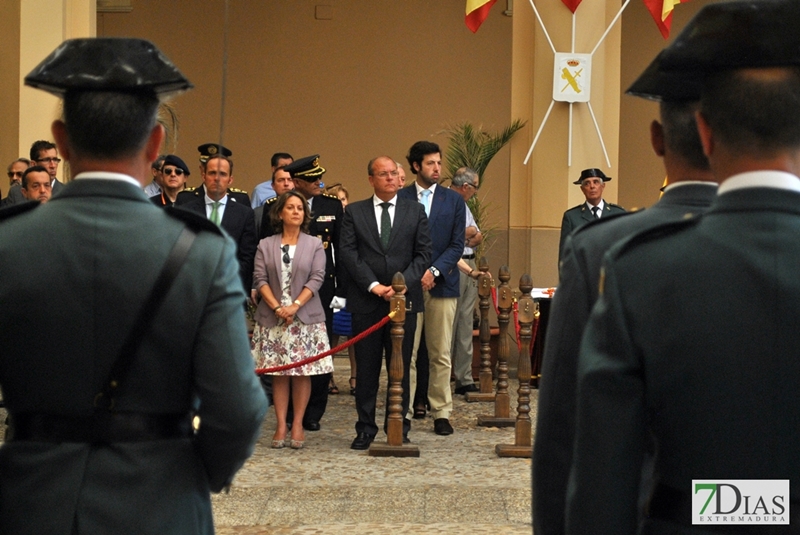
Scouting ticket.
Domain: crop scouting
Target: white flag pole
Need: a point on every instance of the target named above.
(599, 135)
(541, 127)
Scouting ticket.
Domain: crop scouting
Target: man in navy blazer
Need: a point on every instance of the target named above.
(234, 217)
(446, 215)
(371, 264)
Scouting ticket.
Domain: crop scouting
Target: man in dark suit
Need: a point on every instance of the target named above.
(207, 151)
(381, 236)
(441, 280)
(693, 340)
(326, 223)
(225, 211)
(45, 153)
(75, 462)
(690, 191)
(592, 183)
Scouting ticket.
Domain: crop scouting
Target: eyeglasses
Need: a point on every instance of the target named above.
(169, 170)
(470, 184)
(286, 259)
(385, 174)
(49, 160)
(12, 174)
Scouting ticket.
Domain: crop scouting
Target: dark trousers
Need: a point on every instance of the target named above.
(369, 358)
(423, 374)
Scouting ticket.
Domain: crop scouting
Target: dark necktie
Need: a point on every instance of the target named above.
(596, 209)
(386, 224)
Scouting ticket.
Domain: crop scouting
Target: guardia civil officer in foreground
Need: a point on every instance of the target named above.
(101, 399)
(691, 189)
(693, 340)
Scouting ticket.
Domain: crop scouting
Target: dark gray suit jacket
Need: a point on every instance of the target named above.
(573, 301)
(365, 260)
(59, 340)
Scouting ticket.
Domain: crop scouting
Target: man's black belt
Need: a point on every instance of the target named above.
(102, 427)
(468, 256)
(668, 503)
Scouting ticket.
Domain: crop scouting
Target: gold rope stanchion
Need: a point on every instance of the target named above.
(394, 428)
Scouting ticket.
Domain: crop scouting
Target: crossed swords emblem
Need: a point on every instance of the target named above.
(571, 79)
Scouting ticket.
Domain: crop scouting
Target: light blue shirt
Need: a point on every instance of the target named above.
(262, 193)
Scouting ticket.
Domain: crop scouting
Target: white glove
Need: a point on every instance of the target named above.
(338, 303)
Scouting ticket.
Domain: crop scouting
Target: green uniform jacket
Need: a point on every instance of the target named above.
(76, 272)
(572, 303)
(693, 341)
(577, 216)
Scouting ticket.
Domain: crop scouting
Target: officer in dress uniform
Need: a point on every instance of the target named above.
(102, 399)
(326, 221)
(207, 150)
(592, 183)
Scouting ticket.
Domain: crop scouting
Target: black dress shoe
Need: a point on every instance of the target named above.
(362, 442)
(406, 440)
(441, 426)
(311, 425)
(461, 390)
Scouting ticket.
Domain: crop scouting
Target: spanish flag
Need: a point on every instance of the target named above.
(661, 10)
(477, 11)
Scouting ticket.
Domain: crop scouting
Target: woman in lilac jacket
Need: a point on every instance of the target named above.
(290, 320)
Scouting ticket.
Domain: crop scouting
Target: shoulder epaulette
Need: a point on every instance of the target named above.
(236, 190)
(271, 200)
(657, 232)
(189, 189)
(11, 210)
(615, 205)
(330, 196)
(193, 220)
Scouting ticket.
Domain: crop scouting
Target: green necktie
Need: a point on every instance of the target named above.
(215, 213)
(386, 224)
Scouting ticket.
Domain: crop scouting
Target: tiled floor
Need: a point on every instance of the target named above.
(457, 484)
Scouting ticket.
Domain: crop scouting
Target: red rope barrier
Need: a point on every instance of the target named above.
(340, 347)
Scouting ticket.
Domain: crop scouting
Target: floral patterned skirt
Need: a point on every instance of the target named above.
(287, 344)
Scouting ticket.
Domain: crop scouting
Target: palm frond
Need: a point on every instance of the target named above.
(474, 148)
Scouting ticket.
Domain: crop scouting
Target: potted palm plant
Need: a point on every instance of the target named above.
(473, 147)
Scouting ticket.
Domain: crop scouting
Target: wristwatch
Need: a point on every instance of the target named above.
(298, 303)
(434, 271)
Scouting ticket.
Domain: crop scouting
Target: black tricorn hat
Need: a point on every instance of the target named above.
(589, 173)
(207, 150)
(673, 86)
(107, 64)
(734, 35)
(306, 168)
